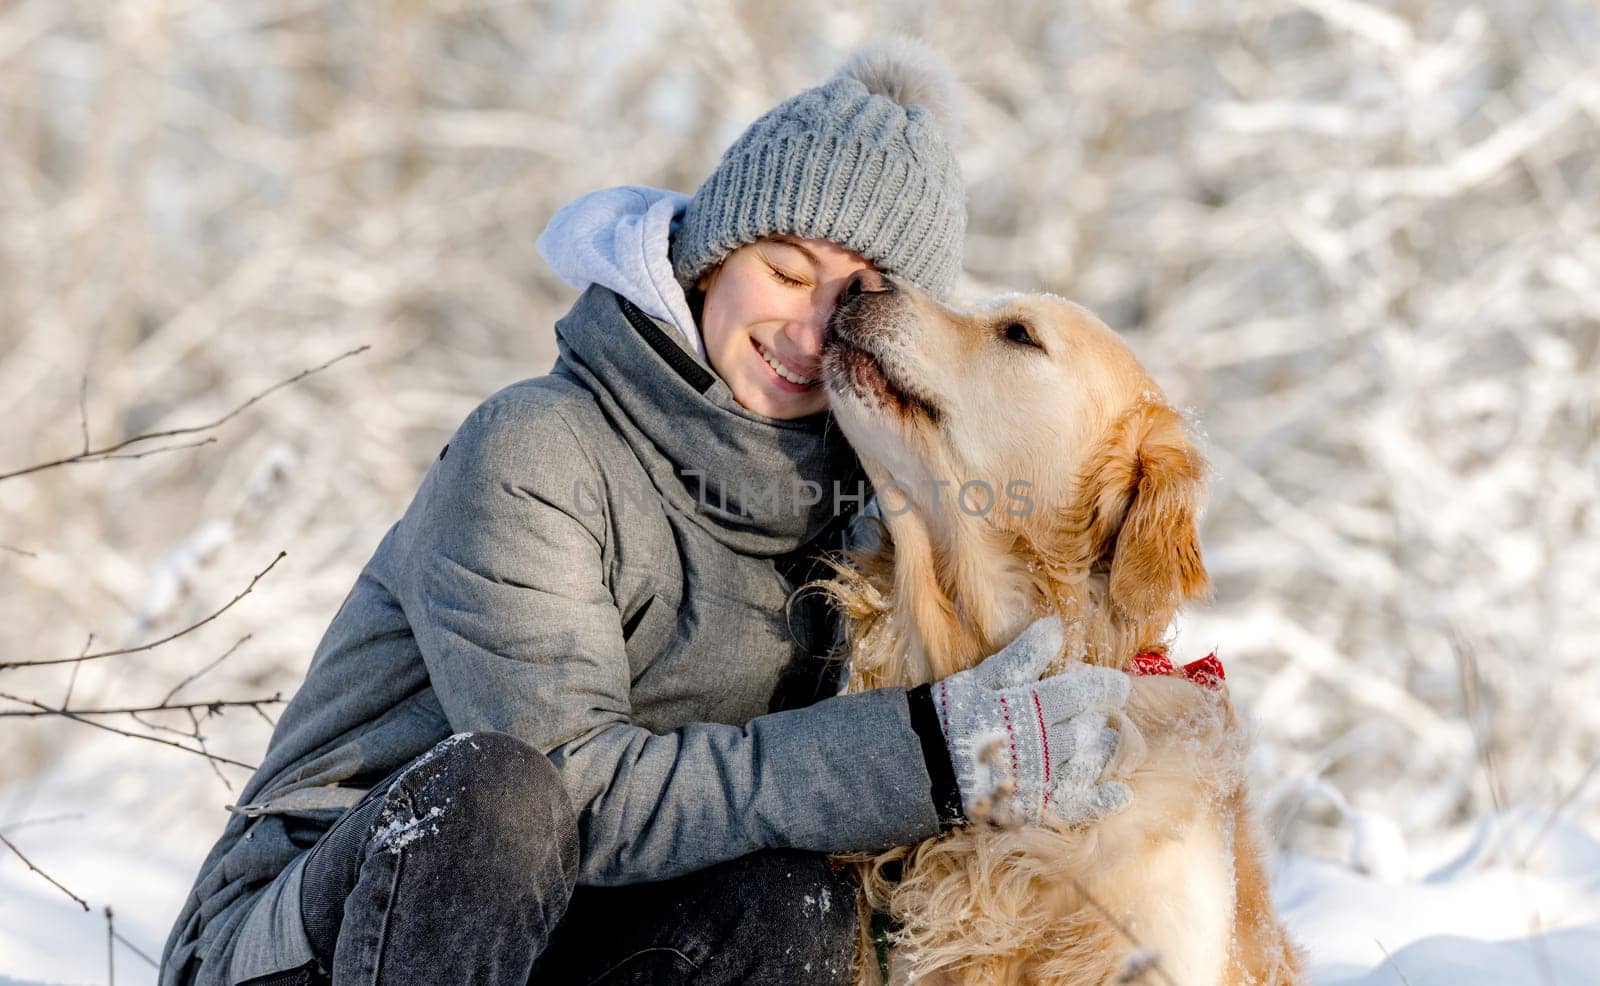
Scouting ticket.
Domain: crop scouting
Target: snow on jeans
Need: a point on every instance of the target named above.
(461, 868)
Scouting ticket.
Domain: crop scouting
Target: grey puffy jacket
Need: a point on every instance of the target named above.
(594, 564)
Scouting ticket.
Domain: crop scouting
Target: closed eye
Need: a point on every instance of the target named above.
(1020, 334)
(785, 278)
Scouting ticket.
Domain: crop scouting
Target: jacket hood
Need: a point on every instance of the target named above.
(759, 485)
(618, 237)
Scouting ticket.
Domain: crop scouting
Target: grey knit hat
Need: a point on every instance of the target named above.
(864, 160)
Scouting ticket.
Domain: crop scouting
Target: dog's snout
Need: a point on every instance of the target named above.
(854, 300)
(867, 281)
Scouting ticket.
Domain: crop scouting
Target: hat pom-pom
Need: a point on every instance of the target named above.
(911, 73)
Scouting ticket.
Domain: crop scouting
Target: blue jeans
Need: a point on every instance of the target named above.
(462, 867)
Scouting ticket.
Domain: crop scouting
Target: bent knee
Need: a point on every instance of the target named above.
(481, 765)
(496, 787)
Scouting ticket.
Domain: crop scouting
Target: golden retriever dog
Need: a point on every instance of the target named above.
(1025, 463)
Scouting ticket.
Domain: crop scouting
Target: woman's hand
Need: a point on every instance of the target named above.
(1023, 747)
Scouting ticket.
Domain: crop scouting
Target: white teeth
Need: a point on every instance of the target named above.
(781, 369)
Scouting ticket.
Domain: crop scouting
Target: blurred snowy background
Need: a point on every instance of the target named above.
(1360, 241)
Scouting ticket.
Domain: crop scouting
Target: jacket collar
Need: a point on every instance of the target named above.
(747, 479)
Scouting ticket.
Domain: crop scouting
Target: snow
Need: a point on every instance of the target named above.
(823, 903)
(397, 833)
(128, 838)
(1511, 899)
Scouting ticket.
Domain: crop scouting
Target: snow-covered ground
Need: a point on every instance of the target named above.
(1513, 899)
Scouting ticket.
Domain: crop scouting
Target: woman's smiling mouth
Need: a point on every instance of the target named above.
(783, 376)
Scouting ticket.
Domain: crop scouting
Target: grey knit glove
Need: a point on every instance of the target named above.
(1022, 746)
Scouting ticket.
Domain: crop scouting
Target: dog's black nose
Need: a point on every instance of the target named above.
(867, 281)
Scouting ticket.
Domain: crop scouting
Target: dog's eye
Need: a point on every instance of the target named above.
(1019, 333)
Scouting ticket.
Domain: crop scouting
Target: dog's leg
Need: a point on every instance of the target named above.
(1177, 901)
(1164, 868)
(1263, 954)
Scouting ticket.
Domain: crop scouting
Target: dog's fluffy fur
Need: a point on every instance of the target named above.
(1034, 390)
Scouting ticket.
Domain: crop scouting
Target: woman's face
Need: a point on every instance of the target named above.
(768, 302)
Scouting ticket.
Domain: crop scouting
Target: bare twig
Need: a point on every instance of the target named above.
(83, 409)
(53, 881)
(154, 643)
(225, 655)
(212, 707)
(159, 727)
(1472, 700)
(194, 722)
(88, 455)
(72, 680)
(135, 949)
(66, 714)
(1559, 810)
(153, 451)
(1391, 961)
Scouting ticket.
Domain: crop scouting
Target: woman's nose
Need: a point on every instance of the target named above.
(807, 333)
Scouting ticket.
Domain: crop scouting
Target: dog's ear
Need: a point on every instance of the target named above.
(1145, 487)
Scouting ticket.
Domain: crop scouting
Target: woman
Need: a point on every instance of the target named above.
(564, 724)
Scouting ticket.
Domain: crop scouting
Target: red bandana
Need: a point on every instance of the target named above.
(1206, 672)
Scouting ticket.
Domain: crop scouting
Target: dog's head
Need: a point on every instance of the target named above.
(1028, 414)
